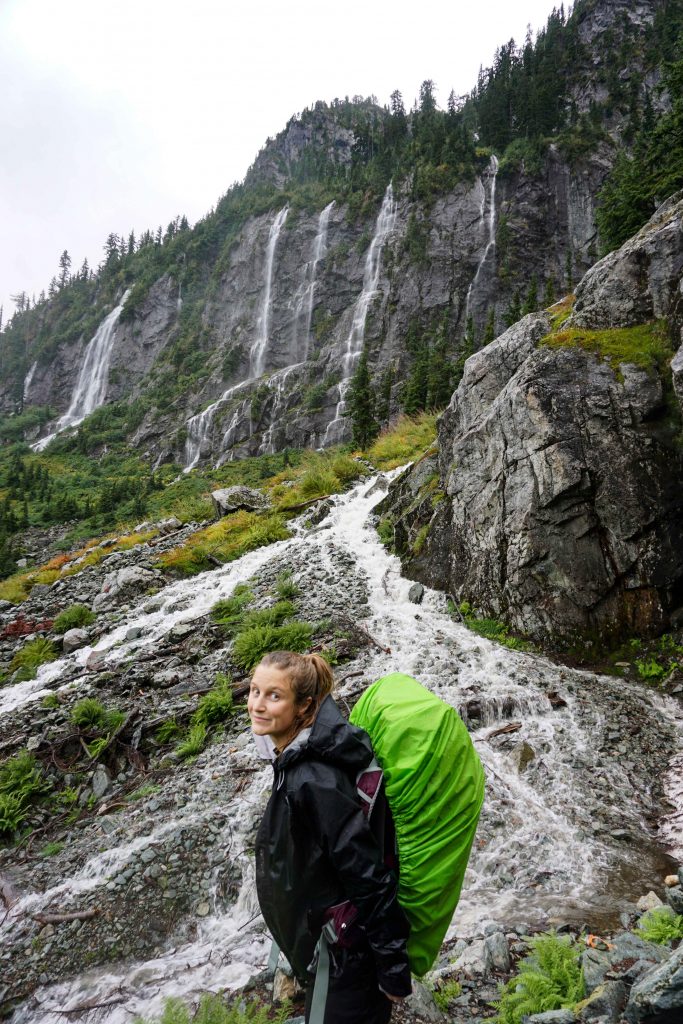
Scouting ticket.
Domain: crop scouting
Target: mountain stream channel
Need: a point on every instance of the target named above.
(576, 825)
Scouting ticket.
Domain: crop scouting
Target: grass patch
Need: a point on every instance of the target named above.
(446, 992)
(224, 541)
(255, 641)
(661, 925)
(492, 629)
(168, 731)
(52, 849)
(647, 345)
(549, 978)
(228, 613)
(561, 311)
(403, 441)
(75, 617)
(217, 705)
(194, 742)
(88, 714)
(35, 653)
(285, 587)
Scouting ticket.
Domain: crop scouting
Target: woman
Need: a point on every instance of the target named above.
(315, 850)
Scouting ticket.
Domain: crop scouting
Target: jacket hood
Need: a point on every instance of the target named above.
(331, 739)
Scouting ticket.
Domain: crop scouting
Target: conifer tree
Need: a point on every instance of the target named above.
(64, 267)
(361, 404)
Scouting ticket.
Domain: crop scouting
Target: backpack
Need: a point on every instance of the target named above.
(434, 785)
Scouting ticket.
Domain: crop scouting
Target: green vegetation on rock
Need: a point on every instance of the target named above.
(214, 1010)
(32, 655)
(255, 641)
(647, 346)
(77, 616)
(661, 925)
(549, 978)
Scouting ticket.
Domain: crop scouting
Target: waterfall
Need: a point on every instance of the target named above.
(491, 231)
(354, 342)
(278, 406)
(304, 308)
(28, 379)
(544, 849)
(91, 387)
(257, 361)
(199, 427)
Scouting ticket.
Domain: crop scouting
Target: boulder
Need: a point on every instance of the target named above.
(73, 639)
(674, 897)
(233, 499)
(416, 593)
(124, 584)
(658, 994)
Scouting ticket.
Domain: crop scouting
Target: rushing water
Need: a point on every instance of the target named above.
(490, 222)
(537, 856)
(386, 221)
(257, 358)
(199, 427)
(303, 313)
(27, 381)
(90, 390)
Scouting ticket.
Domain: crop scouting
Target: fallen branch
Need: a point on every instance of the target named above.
(510, 727)
(71, 915)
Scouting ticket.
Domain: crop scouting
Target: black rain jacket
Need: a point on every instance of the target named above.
(314, 849)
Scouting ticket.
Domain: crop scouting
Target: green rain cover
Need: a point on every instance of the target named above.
(435, 786)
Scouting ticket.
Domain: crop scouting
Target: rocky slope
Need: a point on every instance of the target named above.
(559, 459)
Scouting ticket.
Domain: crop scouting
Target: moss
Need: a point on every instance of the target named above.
(646, 345)
(561, 311)
(420, 539)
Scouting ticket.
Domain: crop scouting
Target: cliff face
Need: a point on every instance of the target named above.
(560, 459)
(295, 294)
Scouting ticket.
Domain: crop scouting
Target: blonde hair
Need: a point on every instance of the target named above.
(311, 680)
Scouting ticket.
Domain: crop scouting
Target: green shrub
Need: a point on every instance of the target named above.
(167, 731)
(217, 705)
(550, 978)
(89, 714)
(52, 849)
(319, 481)
(650, 669)
(385, 531)
(75, 617)
(446, 993)
(35, 653)
(50, 701)
(250, 645)
(228, 612)
(213, 1010)
(194, 742)
(12, 813)
(21, 782)
(661, 925)
(273, 616)
(285, 587)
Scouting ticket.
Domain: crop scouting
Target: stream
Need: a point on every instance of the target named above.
(573, 811)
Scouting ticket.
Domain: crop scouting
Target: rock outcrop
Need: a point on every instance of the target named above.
(560, 465)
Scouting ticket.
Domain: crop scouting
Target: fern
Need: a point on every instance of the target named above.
(213, 1010)
(550, 978)
(216, 705)
(661, 925)
(250, 645)
(194, 742)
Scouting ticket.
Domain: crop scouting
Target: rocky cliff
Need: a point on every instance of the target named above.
(559, 472)
(248, 339)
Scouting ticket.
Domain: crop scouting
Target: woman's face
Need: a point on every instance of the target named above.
(271, 704)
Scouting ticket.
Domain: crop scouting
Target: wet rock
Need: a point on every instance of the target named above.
(475, 961)
(73, 639)
(416, 593)
(606, 1002)
(232, 499)
(101, 781)
(522, 754)
(498, 951)
(167, 526)
(552, 1017)
(124, 584)
(422, 1003)
(181, 631)
(674, 897)
(320, 512)
(648, 902)
(658, 992)
(134, 633)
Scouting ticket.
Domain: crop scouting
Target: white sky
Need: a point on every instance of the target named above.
(120, 114)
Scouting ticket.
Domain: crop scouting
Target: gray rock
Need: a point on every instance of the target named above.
(522, 754)
(73, 639)
(421, 1002)
(101, 781)
(674, 897)
(416, 593)
(552, 1017)
(124, 584)
(659, 991)
(134, 633)
(475, 961)
(605, 1003)
(232, 499)
(648, 902)
(498, 951)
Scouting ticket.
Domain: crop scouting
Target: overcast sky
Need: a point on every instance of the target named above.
(120, 114)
